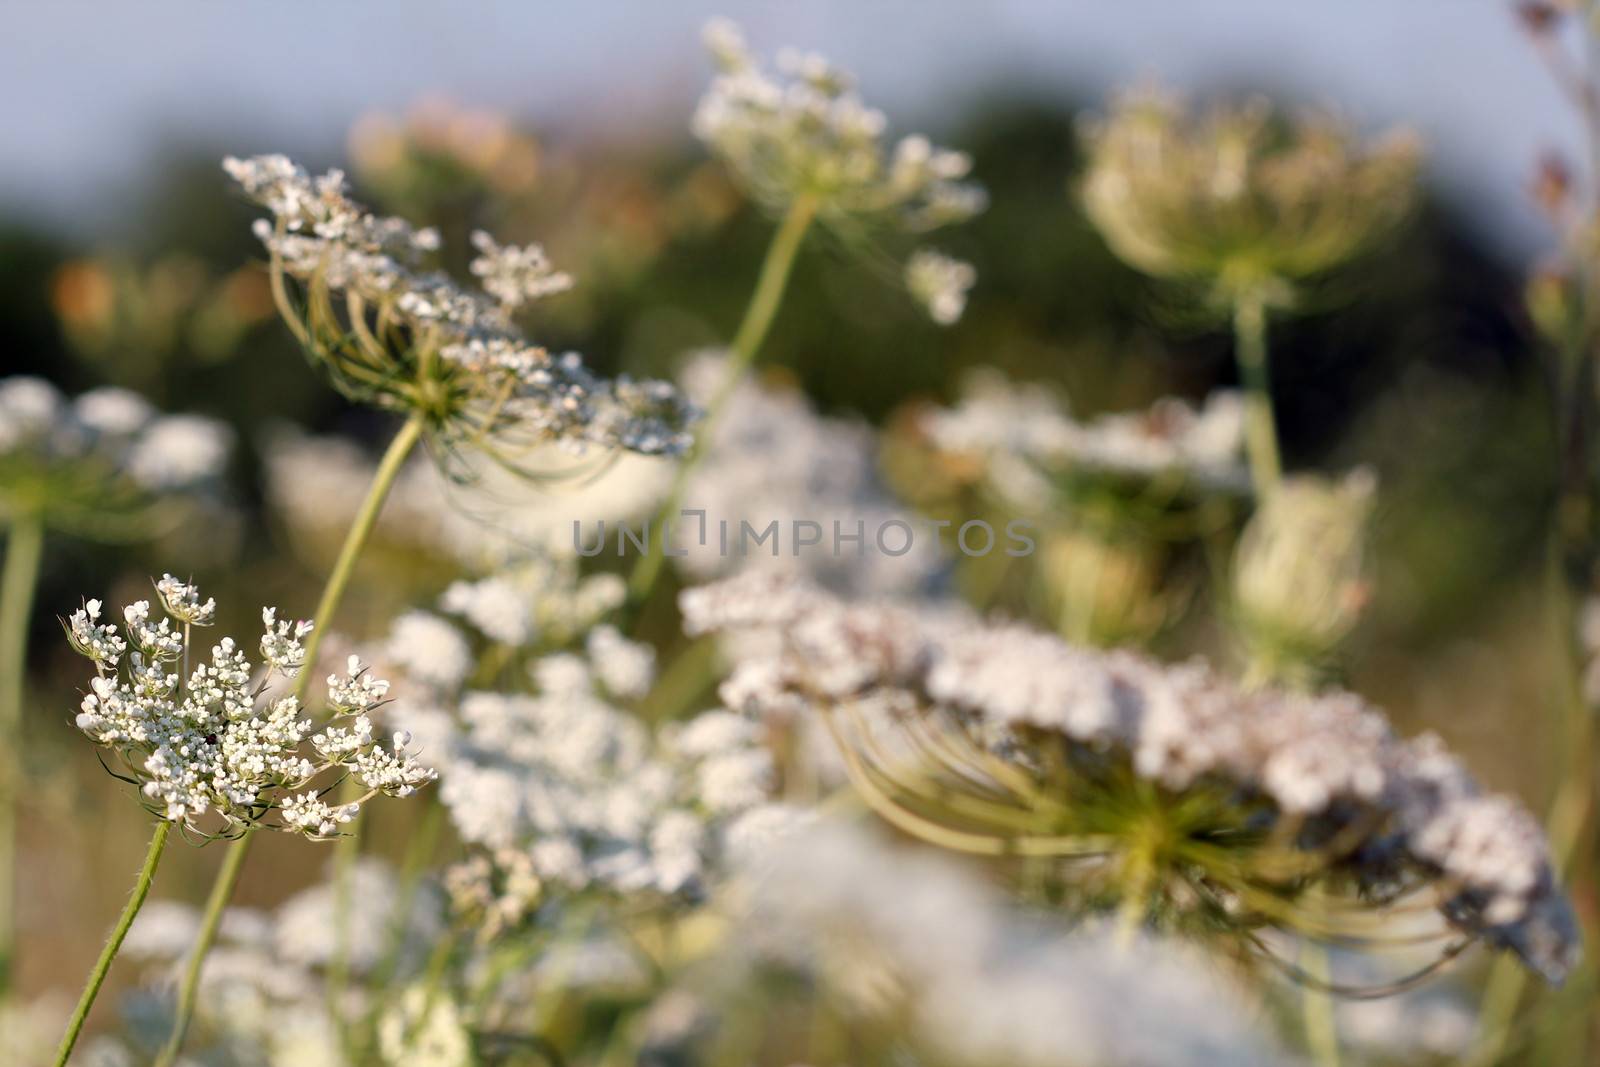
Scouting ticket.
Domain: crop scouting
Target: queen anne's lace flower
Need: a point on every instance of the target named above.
(805, 132)
(181, 600)
(515, 275)
(213, 742)
(1326, 770)
(1028, 438)
(104, 464)
(413, 341)
(563, 790)
(772, 458)
(1233, 198)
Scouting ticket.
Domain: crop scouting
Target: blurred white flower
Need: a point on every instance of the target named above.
(940, 283)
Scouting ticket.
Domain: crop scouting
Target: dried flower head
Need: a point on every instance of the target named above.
(1165, 788)
(805, 133)
(409, 340)
(104, 465)
(1234, 198)
(209, 741)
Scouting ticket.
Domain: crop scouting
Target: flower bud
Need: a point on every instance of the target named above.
(1300, 570)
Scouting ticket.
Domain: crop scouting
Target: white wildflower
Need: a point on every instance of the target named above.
(1327, 756)
(281, 645)
(181, 600)
(940, 283)
(431, 649)
(805, 132)
(213, 742)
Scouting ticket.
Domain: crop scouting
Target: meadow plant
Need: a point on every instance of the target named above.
(1179, 796)
(1099, 858)
(102, 467)
(1302, 573)
(1251, 208)
(804, 146)
(209, 751)
(448, 358)
(1120, 501)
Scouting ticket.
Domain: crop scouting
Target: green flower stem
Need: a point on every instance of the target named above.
(189, 988)
(24, 548)
(97, 977)
(332, 595)
(1570, 810)
(758, 316)
(1316, 1007)
(1250, 352)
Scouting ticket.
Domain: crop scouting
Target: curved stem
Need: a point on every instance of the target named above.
(24, 549)
(758, 315)
(1250, 352)
(97, 977)
(327, 606)
(383, 480)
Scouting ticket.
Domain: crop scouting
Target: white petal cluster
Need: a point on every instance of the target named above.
(940, 284)
(583, 790)
(515, 275)
(1026, 436)
(281, 645)
(625, 669)
(771, 457)
(507, 394)
(1329, 756)
(181, 600)
(907, 934)
(564, 790)
(214, 743)
(107, 453)
(805, 132)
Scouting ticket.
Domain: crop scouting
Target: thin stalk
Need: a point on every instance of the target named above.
(189, 988)
(97, 977)
(24, 549)
(1250, 352)
(1569, 810)
(327, 606)
(758, 315)
(1316, 1006)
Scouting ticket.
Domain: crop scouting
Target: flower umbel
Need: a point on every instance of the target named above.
(104, 465)
(1234, 198)
(805, 132)
(213, 743)
(411, 340)
(1189, 797)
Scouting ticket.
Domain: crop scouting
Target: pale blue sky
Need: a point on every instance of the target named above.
(89, 89)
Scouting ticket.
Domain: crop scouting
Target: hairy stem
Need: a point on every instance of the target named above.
(1250, 352)
(24, 548)
(97, 977)
(758, 316)
(327, 606)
